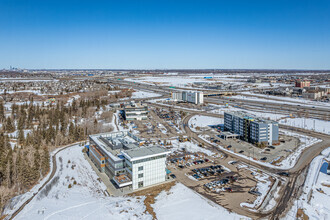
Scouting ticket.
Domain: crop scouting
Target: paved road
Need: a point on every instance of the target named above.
(287, 108)
(296, 179)
(54, 165)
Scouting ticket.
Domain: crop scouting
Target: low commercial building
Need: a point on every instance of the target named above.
(251, 128)
(195, 97)
(135, 111)
(120, 157)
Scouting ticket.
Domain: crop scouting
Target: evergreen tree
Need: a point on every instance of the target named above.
(2, 112)
(9, 125)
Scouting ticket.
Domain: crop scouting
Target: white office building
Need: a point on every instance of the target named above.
(195, 97)
(147, 166)
(120, 157)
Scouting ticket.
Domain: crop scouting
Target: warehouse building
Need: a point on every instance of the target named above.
(251, 128)
(120, 157)
(135, 111)
(189, 96)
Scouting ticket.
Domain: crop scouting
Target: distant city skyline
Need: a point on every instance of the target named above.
(168, 34)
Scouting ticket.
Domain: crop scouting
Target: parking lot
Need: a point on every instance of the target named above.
(272, 154)
(220, 180)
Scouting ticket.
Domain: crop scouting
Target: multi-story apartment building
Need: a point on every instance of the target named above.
(189, 96)
(302, 83)
(135, 111)
(119, 156)
(251, 128)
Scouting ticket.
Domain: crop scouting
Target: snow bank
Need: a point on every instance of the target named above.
(315, 196)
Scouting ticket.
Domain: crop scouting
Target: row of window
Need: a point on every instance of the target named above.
(148, 159)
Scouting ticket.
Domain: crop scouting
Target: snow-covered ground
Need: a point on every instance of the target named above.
(308, 123)
(290, 99)
(76, 193)
(316, 192)
(305, 142)
(143, 94)
(189, 146)
(202, 121)
(280, 101)
(85, 199)
(184, 81)
(263, 186)
(218, 109)
(71, 99)
(183, 203)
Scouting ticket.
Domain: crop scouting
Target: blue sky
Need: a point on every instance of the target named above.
(161, 34)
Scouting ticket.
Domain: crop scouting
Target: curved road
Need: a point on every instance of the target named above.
(297, 177)
(45, 183)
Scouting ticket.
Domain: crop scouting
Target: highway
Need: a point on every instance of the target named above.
(286, 108)
(292, 187)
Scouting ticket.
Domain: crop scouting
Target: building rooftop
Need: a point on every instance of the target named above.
(135, 105)
(145, 151)
(114, 142)
(252, 117)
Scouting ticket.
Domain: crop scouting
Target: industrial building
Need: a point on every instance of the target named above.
(135, 111)
(189, 96)
(120, 156)
(252, 129)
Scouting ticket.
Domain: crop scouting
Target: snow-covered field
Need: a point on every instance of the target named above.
(266, 115)
(184, 81)
(202, 121)
(183, 203)
(316, 192)
(85, 199)
(308, 123)
(76, 193)
(143, 94)
(290, 99)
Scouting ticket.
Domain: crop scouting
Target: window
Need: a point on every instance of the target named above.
(140, 175)
(140, 168)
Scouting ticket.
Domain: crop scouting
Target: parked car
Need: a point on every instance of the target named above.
(272, 147)
(228, 189)
(264, 158)
(242, 151)
(283, 174)
(173, 176)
